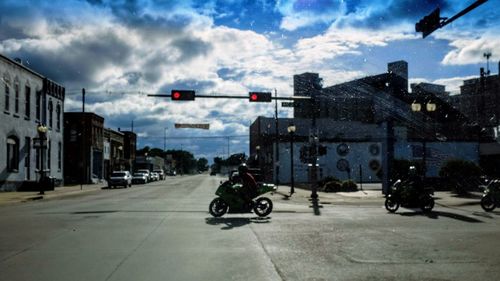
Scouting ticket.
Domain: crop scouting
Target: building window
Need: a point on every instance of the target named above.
(50, 113)
(58, 116)
(49, 150)
(7, 96)
(16, 97)
(27, 102)
(12, 154)
(59, 156)
(27, 157)
(38, 105)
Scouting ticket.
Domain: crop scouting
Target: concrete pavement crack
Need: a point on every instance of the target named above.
(136, 248)
(276, 268)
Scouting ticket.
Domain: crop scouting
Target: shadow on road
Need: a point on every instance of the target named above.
(316, 206)
(438, 214)
(230, 223)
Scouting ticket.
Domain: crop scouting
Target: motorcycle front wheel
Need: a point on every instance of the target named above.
(427, 203)
(218, 207)
(391, 205)
(487, 203)
(263, 206)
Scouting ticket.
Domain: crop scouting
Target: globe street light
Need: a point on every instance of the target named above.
(291, 131)
(42, 134)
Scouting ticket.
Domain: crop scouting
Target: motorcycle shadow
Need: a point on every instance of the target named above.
(230, 223)
(438, 214)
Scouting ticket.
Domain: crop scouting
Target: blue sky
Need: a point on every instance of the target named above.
(119, 50)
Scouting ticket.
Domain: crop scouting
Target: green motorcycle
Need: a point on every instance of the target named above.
(230, 199)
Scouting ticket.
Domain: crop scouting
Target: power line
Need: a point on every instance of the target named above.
(200, 137)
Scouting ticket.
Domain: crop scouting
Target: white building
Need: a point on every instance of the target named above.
(28, 99)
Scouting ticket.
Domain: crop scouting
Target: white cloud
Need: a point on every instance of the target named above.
(470, 50)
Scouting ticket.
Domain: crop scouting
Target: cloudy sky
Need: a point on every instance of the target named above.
(121, 50)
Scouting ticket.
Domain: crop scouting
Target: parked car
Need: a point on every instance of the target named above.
(140, 178)
(160, 173)
(172, 173)
(155, 176)
(120, 178)
(146, 171)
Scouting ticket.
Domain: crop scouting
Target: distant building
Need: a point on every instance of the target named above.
(129, 149)
(113, 152)
(351, 113)
(84, 147)
(479, 100)
(354, 150)
(28, 99)
(119, 151)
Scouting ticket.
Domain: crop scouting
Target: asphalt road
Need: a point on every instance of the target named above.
(162, 231)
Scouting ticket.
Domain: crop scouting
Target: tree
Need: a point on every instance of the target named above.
(186, 163)
(202, 164)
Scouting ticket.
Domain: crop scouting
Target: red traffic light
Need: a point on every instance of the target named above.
(260, 96)
(182, 95)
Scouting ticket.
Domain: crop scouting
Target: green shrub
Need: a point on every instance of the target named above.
(325, 180)
(332, 186)
(349, 186)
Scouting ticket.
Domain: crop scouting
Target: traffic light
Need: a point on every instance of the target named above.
(429, 23)
(182, 95)
(259, 96)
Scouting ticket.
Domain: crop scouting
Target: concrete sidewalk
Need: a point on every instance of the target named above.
(13, 197)
(301, 196)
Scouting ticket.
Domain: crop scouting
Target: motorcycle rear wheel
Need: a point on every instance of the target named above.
(391, 205)
(427, 203)
(218, 207)
(487, 203)
(263, 206)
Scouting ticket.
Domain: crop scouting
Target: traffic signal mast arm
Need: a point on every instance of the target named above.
(238, 97)
(433, 21)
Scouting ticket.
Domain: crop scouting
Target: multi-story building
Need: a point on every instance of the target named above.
(113, 152)
(29, 99)
(129, 149)
(119, 151)
(84, 147)
(479, 100)
(350, 114)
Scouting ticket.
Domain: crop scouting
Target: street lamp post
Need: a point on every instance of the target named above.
(429, 107)
(291, 131)
(42, 134)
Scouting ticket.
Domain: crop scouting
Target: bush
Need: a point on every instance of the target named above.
(332, 186)
(325, 180)
(339, 186)
(349, 186)
(460, 175)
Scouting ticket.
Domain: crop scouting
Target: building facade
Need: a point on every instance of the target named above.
(27, 100)
(113, 152)
(84, 147)
(355, 115)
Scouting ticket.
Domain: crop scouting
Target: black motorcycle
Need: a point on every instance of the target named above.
(491, 196)
(405, 194)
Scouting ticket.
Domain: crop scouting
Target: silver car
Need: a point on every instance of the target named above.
(140, 178)
(120, 178)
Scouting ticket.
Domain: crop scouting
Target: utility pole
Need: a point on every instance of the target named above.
(84, 148)
(277, 162)
(487, 56)
(164, 139)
